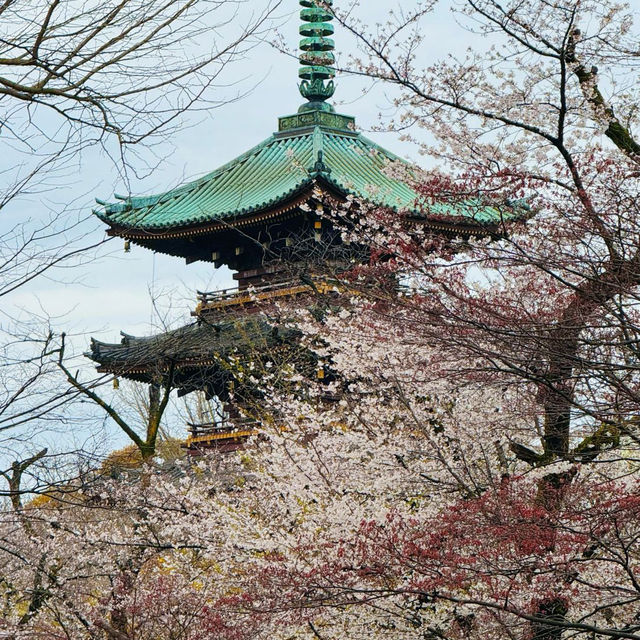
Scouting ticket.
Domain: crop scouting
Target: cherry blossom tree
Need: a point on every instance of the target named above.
(543, 120)
(467, 467)
(541, 313)
(344, 523)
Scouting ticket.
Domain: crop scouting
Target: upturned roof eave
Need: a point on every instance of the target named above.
(450, 224)
(283, 206)
(457, 225)
(229, 221)
(152, 199)
(150, 235)
(206, 344)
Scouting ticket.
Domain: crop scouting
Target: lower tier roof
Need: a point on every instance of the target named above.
(200, 355)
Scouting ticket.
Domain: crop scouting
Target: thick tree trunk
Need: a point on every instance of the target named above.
(562, 347)
(553, 609)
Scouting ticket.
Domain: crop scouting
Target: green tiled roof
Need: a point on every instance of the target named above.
(287, 163)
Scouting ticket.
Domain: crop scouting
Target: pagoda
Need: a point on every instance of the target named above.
(264, 215)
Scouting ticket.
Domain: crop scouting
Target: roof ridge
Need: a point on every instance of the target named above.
(317, 139)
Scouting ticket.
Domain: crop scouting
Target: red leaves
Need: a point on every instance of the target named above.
(508, 550)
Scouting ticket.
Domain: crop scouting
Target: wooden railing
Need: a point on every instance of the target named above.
(216, 431)
(206, 297)
(236, 296)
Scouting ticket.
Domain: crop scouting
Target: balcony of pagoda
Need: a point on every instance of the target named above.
(224, 437)
(255, 297)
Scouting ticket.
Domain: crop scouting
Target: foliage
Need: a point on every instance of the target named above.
(469, 468)
(78, 76)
